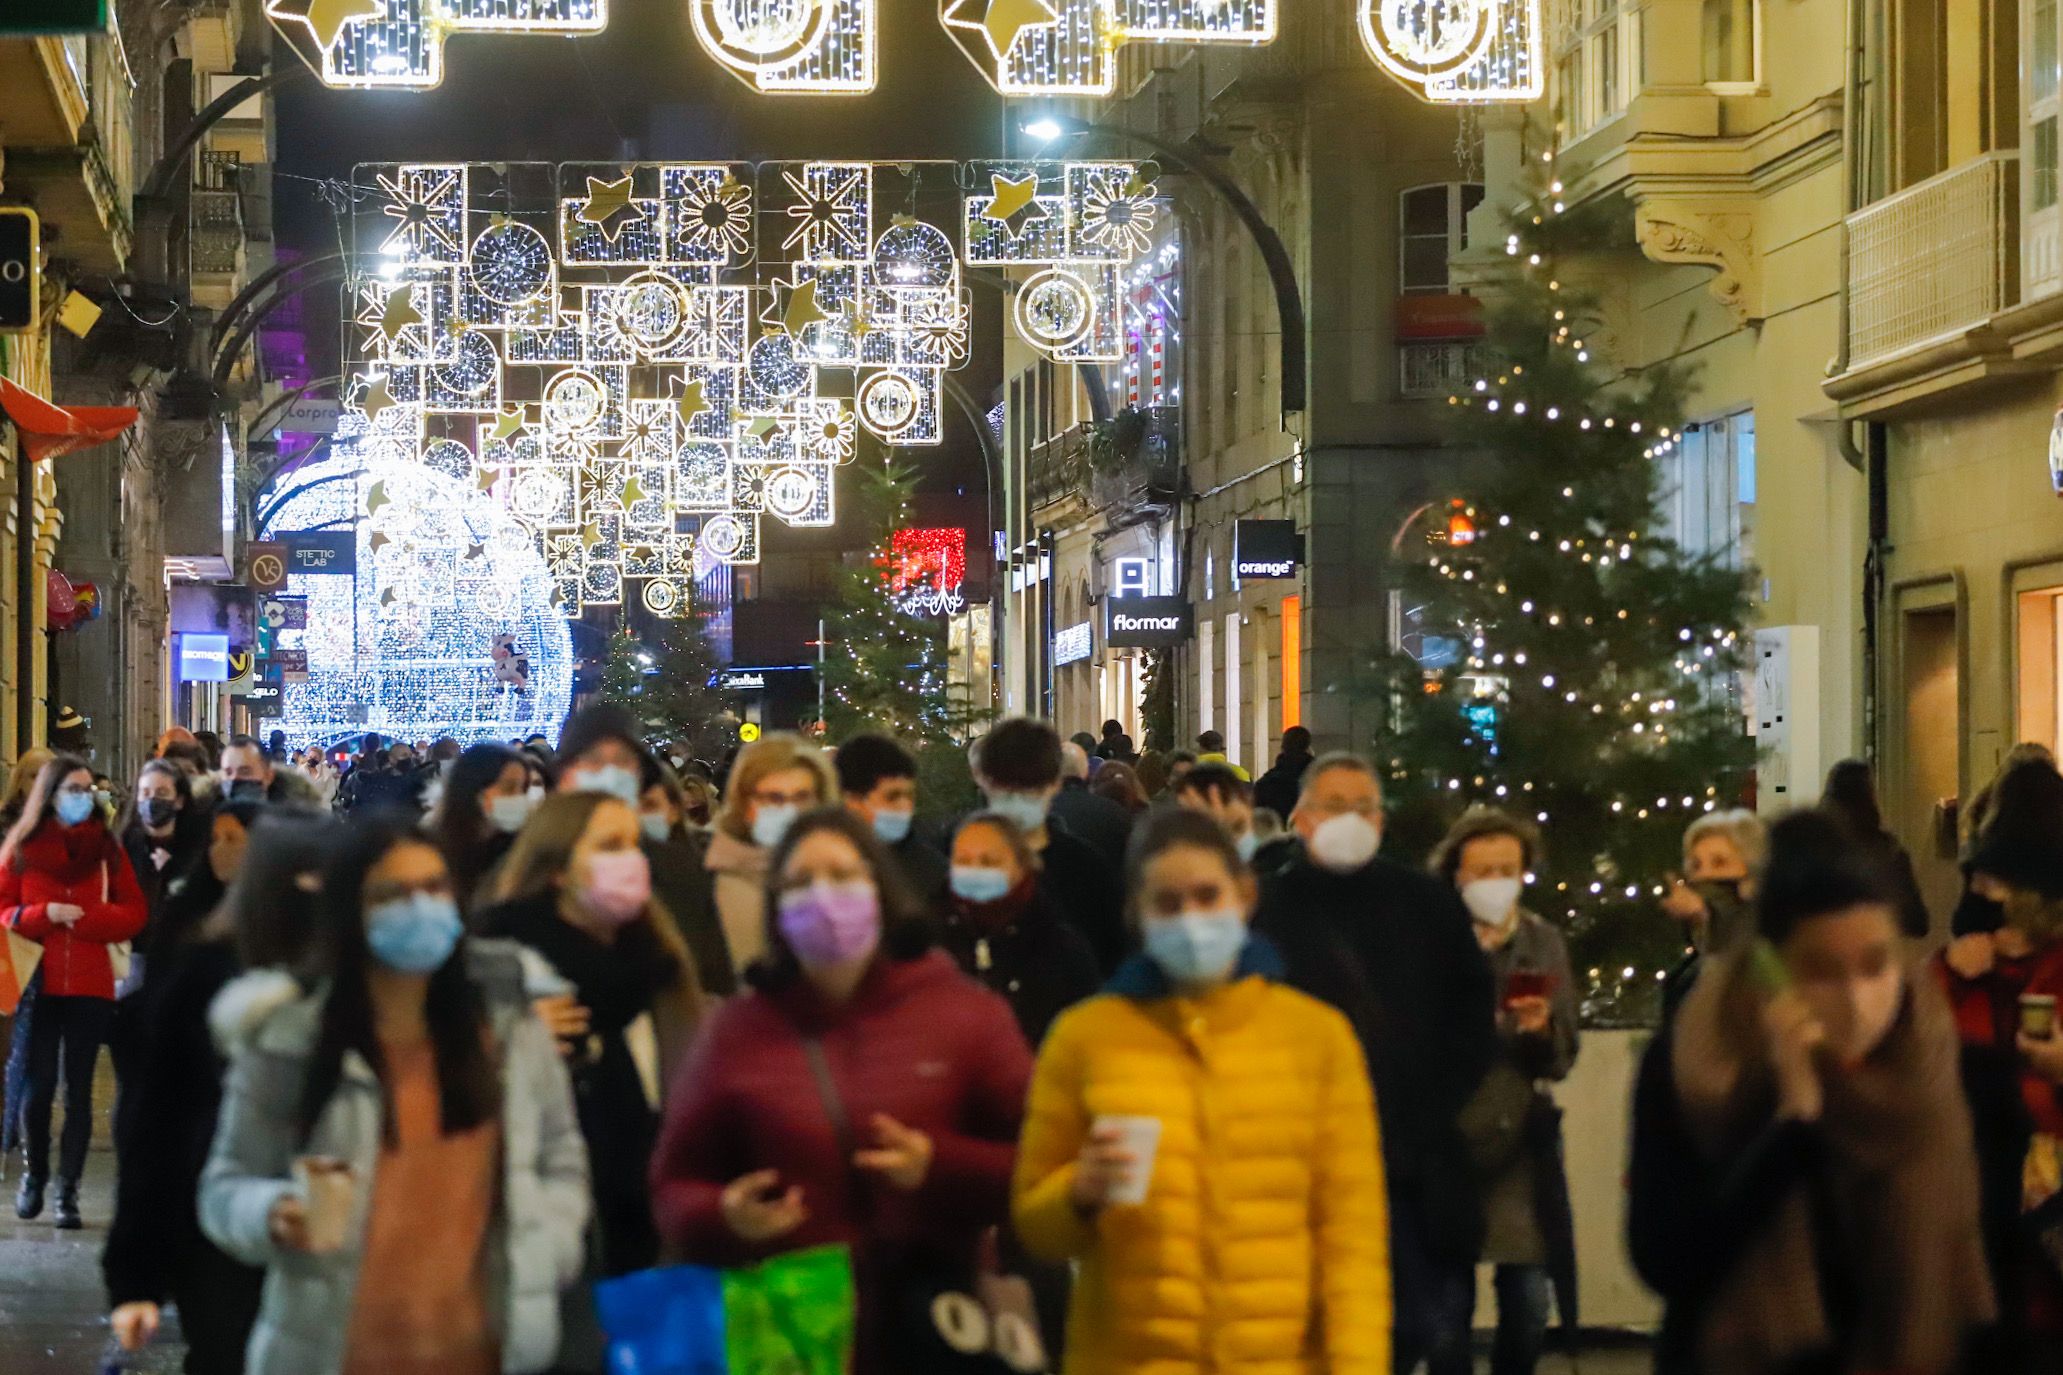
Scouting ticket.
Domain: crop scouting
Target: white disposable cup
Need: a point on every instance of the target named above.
(1140, 1136)
(326, 1187)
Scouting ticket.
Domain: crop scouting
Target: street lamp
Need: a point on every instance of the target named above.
(1289, 300)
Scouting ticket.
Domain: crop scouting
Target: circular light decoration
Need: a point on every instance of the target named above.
(538, 494)
(450, 458)
(754, 35)
(512, 263)
(1054, 310)
(790, 492)
(722, 538)
(662, 597)
(414, 657)
(651, 311)
(774, 369)
(1421, 41)
(888, 403)
(914, 254)
(574, 401)
(469, 374)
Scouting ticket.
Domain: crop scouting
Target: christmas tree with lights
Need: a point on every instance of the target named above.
(664, 678)
(624, 661)
(885, 652)
(1560, 657)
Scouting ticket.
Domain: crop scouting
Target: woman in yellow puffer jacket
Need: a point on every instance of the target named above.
(1261, 1245)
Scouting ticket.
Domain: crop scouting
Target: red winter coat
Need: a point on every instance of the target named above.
(85, 866)
(920, 1042)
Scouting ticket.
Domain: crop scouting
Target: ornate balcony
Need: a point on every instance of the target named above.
(1935, 260)
(216, 256)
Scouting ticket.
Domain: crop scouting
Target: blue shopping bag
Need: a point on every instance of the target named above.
(664, 1322)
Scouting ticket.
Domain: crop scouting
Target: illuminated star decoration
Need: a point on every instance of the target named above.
(799, 310)
(375, 498)
(590, 535)
(326, 18)
(377, 397)
(609, 206)
(690, 402)
(429, 203)
(1002, 22)
(378, 541)
(487, 478)
(399, 313)
(633, 491)
(1013, 204)
(506, 425)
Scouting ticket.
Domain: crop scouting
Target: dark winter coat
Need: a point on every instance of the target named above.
(158, 861)
(1088, 894)
(687, 890)
(924, 871)
(1020, 949)
(1095, 820)
(85, 866)
(617, 985)
(1393, 948)
(1277, 789)
(164, 1128)
(917, 1041)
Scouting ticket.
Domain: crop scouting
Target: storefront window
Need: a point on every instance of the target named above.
(1708, 490)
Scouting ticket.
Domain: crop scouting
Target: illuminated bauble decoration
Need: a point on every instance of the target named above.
(450, 458)
(751, 34)
(790, 492)
(1054, 310)
(511, 264)
(662, 597)
(650, 311)
(722, 538)
(1426, 41)
(915, 254)
(469, 376)
(776, 373)
(888, 404)
(405, 646)
(574, 401)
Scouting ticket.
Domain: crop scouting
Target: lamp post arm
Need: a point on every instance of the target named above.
(211, 114)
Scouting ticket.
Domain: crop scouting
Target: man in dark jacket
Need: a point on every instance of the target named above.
(1018, 767)
(1277, 789)
(1104, 825)
(1393, 949)
(878, 780)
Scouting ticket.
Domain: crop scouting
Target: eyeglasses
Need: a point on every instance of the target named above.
(775, 799)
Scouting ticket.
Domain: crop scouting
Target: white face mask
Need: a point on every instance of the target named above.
(509, 813)
(1344, 843)
(1490, 900)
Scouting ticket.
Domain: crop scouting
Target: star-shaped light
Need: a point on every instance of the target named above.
(326, 18)
(690, 403)
(609, 206)
(801, 309)
(1008, 198)
(506, 425)
(377, 399)
(633, 491)
(399, 312)
(487, 477)
(1002, 22)
(378, 541)
(476, 551)
(590, 536)
(387, 597)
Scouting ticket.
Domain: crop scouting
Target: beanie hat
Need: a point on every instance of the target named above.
(2022, 845)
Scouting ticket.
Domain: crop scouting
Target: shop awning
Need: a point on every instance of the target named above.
(51, 431)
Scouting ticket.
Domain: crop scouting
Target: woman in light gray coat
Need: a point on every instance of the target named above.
(418, 1083)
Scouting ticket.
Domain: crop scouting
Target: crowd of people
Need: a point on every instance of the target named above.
(1157, 1067)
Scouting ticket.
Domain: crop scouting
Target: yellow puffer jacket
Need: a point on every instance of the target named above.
(1263, 1244)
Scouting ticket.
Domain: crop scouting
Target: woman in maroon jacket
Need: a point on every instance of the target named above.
(864, 1092)
(66, 884)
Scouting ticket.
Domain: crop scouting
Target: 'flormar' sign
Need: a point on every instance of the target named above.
(1145, 622)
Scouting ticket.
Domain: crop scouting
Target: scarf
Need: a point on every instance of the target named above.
(1897, 1186)
(729, 855)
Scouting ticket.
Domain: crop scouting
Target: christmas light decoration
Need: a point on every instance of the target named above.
(926, 568)
(1457, 51)
(791, 47)
(400, 43)
(405, 646)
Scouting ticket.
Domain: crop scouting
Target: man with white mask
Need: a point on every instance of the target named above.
(1392, 947)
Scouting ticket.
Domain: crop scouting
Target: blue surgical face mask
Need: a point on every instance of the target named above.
(892, 828)
(1197, 947)
(656, 826)
(73, 808)
(415, 934)
(611, 780)
(1246, 843)
(1026, 811)
(770, 821)
(973, 883)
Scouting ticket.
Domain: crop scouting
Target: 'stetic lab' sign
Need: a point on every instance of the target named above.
(1145, 622)
(1265, 549)
(328, 551)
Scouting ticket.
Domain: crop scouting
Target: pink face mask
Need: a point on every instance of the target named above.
(619, 886)
(831, 923)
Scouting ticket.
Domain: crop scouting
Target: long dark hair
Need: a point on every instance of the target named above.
(906, 932)
(182, 789)
(1851, 796)
(461, 823)
(35, 808)
(468, 1086)
(265, 910)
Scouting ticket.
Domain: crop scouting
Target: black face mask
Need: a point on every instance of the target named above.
(157, 811)
(247, 790)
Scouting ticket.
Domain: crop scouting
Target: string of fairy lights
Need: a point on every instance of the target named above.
(1458, 51)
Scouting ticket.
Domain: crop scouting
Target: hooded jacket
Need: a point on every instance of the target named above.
(84, 866)
(534, 1248)
(917, 1041)
(1263, 1243)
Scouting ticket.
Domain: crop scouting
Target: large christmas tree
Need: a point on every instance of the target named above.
(885, 664)
(1561, 658)
(665, 678)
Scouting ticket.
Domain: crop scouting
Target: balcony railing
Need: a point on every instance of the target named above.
(1068, 465)
(1934, 259)
(215, 248)
(1438, 369)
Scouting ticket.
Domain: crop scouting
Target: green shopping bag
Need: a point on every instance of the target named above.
(791, 1315)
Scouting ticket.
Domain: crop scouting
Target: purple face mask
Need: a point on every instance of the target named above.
(831, 923)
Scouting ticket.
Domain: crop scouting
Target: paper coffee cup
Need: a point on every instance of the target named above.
(326, 1186)
(2038, 1015)
(1141, 1137)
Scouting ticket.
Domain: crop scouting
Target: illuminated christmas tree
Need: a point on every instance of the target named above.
(1561, 658)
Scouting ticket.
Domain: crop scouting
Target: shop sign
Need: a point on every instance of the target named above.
(322, 551)
(1074, 644)
(203, 658)
(1266, 549)
(1145, 622)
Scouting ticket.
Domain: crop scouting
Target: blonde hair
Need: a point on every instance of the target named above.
(768, 755)
(1739, 828)
(26, 770)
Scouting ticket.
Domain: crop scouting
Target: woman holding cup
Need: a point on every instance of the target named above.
(1195, 1239)
(399, 1149)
